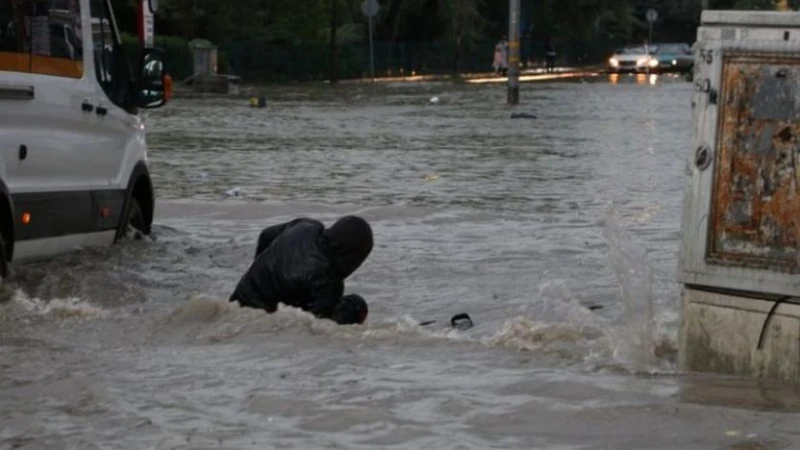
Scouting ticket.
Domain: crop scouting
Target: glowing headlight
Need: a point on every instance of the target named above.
(653, 62)
(641, 62)
(674, 62)
(614, 62)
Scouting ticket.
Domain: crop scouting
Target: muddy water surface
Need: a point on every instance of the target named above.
(523, 224)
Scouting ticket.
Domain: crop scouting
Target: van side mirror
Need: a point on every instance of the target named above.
(154, 86)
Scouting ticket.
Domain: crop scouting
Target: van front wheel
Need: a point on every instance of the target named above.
(3, 256)
(134, 223)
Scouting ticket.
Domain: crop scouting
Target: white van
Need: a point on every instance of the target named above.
(73, 159)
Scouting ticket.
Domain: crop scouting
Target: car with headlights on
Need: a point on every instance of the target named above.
(674, 57)
(632, 59)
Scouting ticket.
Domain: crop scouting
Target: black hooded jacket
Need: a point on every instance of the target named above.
(302, 264)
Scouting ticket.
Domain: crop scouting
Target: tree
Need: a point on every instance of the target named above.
(464, 24)
(744, 4)
(458, 21)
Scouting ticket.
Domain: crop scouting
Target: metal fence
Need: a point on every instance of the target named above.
(258, 60)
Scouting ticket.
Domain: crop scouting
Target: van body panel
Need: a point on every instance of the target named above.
(67, 150)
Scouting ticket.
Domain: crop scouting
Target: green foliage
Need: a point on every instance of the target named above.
(755, 4)
(289, 39)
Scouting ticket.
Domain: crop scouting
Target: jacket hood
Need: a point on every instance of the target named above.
(349, 243)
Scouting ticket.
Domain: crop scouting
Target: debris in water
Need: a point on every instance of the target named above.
(522, 116)
(233, 192)
(258, 101)
(143, 423)
(434, 100)
(461, 322)
(732, 433)
(431, 177)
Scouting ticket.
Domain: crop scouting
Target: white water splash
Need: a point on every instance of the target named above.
(63, 308)
(521, 333)
(210, 319)
(206, 319)
(637, 341)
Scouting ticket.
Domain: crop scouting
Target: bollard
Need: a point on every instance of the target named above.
(739, 260)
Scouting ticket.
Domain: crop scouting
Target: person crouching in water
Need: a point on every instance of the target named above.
(304, 265)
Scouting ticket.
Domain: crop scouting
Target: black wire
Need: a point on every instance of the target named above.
(766, 320)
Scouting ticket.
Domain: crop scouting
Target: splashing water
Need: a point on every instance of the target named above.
(24, 307)
(205, 319)
(636, 339)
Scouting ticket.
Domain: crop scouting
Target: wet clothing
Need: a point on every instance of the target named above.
(303, 264)
(550, 56)
(500, 63)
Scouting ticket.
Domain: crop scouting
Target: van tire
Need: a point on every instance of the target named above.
(134, 223)
(3, 257)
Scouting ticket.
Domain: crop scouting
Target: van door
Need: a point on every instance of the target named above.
(118, 126)
(56, 124)
(17, 91)
(50, 168)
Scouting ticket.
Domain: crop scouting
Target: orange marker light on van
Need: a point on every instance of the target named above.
(26, 218)
(167, 79)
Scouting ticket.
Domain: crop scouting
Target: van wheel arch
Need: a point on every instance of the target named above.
(6, 235)
(6, 230)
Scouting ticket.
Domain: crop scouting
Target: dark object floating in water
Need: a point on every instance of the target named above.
(522, 116)
(594, 307)
(258, 102)
(459, 321)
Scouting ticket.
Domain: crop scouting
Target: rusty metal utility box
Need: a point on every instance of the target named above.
(740, 230)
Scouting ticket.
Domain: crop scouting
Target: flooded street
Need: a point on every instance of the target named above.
(523, 224)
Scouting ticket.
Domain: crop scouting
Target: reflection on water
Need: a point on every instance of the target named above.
(750, 394)
(639, 78)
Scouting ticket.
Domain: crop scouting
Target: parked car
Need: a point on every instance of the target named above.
(674, 57)
(632, 59)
